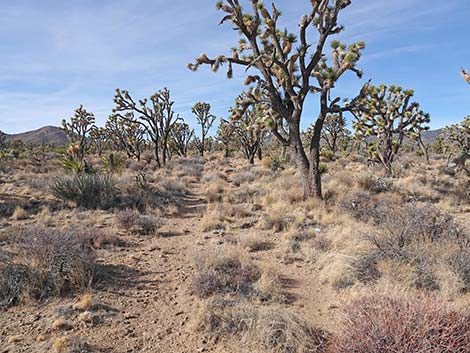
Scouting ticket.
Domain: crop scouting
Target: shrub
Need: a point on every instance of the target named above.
(90, 191)
(378, 324)
(128, 219)
(374, 184)
(255, 329)
(50, 263)
(363, 207)
(459, 262)
(227, 273)
(148, 225)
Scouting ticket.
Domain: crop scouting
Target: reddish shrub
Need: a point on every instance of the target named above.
(378, 324)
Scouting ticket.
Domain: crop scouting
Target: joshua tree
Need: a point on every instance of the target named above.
(181, 136)
(457, 138)
(225, 136)
(99, 139)
(284, 75)
(205, 119)
(80, 125)
(156, 118)
(126, 135)
(249, 125)
(466, 75)
(334, 131)
(3, 141)
(387, 114)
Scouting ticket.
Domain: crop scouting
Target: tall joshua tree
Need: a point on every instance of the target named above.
(457, 138)
(388, 115)
(334, 131)
(205, 119)
(249, 126)
(284, 77)
(225, 136)
(156, 117)
(3, 141)
(126, 135)
(181, 136)
(78, 129)
(99, 139)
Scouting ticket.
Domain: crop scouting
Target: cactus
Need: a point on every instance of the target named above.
(387, 114)
(205, 119)
(287, 68)
(78, 129)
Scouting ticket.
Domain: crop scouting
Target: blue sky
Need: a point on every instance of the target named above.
(59, 54)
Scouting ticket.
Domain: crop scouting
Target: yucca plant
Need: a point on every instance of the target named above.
(89, 191)
(113, 163)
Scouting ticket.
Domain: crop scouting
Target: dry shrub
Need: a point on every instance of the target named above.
(375, 185)
(255, 243)
(70, 344)
(127, 219)
(245, 327)
(19, 214)
(214, 218)
(225, 273)
(415, 236)
(50, 262)
(243, 177)
(364, 207)
(193, 166)
(214, 191)
(277, 218)
(131, 220)
(459, 262)
(377, 324)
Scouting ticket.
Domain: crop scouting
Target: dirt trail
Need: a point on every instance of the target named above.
(142, 295)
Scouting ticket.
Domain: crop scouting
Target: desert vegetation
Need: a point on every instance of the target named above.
(254, 232)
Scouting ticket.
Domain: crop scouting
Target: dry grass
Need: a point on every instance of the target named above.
(19, 214)
(240, 325)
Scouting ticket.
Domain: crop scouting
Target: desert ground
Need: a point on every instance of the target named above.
(216, 255)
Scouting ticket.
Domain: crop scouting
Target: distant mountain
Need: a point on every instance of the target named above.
(46, 134)
(429, 137)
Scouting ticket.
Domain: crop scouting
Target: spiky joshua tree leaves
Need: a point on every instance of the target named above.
(205, 119)
(466, 75)
(287, 68)
(78, 129)
(457, 138)
(388, 115)
(155, 116)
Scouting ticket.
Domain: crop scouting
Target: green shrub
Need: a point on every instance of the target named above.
(89, 191)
